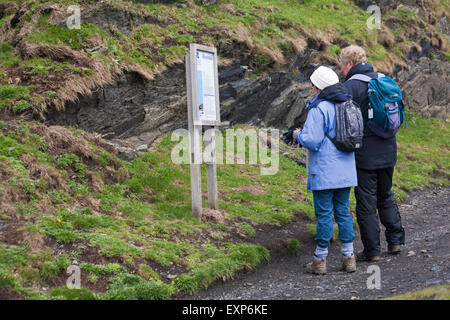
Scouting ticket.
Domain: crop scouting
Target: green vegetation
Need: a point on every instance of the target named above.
(432, 293)
(422, 155)
(132, 287)
(7, 57)
(64, 293)
(146, 218)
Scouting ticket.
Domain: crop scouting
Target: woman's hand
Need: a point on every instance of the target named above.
(294, 134)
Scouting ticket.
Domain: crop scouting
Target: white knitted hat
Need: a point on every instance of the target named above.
(324, 77)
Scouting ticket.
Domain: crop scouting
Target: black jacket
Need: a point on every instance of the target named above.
(376, 153)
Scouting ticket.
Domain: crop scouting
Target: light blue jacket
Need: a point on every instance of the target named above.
(328, 168)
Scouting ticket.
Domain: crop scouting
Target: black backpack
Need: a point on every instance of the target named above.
(349, 127)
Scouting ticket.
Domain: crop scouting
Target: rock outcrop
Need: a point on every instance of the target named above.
(139, 110)
(426, 87)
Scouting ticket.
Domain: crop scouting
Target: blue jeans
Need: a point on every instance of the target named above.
(324, 203)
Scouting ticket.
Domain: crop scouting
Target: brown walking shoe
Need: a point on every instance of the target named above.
(349, 264)
(362, 257)
(317, 266)
(394, 249)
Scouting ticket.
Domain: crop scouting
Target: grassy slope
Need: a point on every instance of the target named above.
(140, 228)
(65, 195)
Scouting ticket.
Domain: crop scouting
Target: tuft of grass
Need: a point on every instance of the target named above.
(133, 287)
(111, 268)
(147, 273)
(293, 246)
(54, 267)
(186, 283)
(224, 262)
(10, 91)
(7, 56)
(247, 229)
(64, 293)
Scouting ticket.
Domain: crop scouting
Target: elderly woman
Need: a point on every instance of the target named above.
(331, 172)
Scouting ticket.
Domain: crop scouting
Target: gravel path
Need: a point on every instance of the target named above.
(423, 262)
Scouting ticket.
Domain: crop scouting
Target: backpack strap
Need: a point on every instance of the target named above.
(364, 78)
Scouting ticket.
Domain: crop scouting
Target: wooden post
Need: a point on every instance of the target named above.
(202, 80)
(211, 170)
(194, 144)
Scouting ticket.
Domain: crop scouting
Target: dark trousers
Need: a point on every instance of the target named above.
(374, 192)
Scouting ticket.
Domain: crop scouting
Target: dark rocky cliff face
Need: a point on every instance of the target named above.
(140, 110)
(131, 107)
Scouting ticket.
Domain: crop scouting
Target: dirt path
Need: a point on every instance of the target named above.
(423, 262)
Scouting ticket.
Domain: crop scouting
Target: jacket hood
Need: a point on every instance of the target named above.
(361, 68)
(336, 93)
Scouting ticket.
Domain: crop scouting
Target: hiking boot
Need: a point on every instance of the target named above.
(394, 249)
(362, 257)
(349, 264)
(317, 266)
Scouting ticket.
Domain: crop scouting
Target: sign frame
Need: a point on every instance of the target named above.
(193, 50)
(196, 125)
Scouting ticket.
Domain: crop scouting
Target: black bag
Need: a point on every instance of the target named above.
(349, 127)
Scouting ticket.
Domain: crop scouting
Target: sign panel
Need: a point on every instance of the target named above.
(203, 104)
(206, 86)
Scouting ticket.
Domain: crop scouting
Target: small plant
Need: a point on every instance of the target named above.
(59, 197)
(51, 94)
(77, 188)
(247, 229)
(21, 106)
(54, 267)
(334, 50)
(67, 159)
(148, 273)
(186, 283)
(111, 268)
(92, 278)
(220, 227)
(80, 169)
(311, 228)
(104, 158)
(286, 47)
(7, 56)
(293, 246)
(84, 72)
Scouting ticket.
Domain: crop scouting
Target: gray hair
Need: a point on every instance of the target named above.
(353, 54)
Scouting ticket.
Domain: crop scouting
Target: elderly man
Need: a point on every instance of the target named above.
(375, 163)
